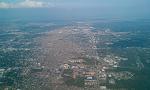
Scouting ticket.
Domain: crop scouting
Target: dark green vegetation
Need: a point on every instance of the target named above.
(79, 82)
(90, 61)
(68, 72)
(136, 47)
(137, 39)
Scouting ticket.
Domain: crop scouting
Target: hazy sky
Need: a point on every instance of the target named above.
(75, 3)
(113, 8)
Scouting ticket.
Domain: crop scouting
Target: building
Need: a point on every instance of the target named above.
(89, 73)
(66, 66)
(103, 88)
(81, 66)
(75, 73)
(90, 81)
(76, 61)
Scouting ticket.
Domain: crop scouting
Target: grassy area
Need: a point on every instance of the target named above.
(68, 71)
(89, 61)
(79, 82)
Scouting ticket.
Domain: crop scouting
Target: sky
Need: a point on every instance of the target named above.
(74, 3)
(112, 8)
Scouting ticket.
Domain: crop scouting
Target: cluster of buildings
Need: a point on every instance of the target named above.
(78, 68)
(112, 61)
(97, 75)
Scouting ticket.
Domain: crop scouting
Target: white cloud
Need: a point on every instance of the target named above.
(26, 4)
(4, 5)
(32, 4)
